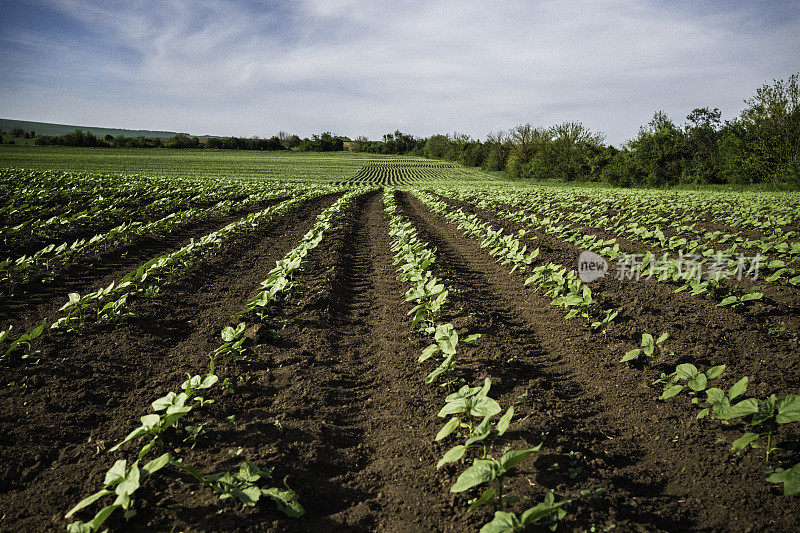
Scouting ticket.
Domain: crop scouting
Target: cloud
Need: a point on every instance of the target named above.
(359, 67)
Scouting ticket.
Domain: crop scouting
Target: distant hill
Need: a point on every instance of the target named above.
(46, 128)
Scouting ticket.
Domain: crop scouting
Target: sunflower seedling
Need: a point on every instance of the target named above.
(696, 381)
(647, 350)
(765, 420)
(504, 522)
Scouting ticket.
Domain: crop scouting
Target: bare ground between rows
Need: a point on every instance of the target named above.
(34, 301)
(660, 467)
(343, 409)
(335, 403)
(90, 389)
(701, 332)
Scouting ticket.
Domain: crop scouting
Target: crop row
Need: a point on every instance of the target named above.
(37, 205)
(670, 233)
(110, 303)
(762, 416)
(471, 411)
(52, 257)
(168, 424)
(685, 267)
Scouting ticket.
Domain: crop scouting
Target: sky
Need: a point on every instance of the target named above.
(367, 67)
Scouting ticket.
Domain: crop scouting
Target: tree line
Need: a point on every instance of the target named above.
(761, 145)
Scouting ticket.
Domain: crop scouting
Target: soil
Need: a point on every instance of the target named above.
(336, 401)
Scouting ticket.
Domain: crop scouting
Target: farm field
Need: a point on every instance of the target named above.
(227, 341)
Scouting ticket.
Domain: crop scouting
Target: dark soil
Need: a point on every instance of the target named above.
(337, 403)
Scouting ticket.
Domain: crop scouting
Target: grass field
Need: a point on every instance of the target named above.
(221, 340)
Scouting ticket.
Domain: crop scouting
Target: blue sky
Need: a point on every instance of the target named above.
(358, 67)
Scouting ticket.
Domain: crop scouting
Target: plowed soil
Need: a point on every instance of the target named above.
(336, 401)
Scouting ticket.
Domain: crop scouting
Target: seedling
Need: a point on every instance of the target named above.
(789, 477)
(739, 300)
(121, 480)
(603, 323)
(696, 381)
(647, 350)
(242, 485)
(233, 339)
(23, 342)
(765, 420)
(504, 522)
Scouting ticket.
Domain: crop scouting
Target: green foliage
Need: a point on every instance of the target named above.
(647, 350)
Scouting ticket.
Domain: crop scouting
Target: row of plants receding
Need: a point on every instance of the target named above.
(111, 303)
(38, 205)
(471, 411)
(723, 266)
(175, 422)
(43, 264)
(761, 416)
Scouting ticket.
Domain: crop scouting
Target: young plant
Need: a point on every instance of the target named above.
(242, 485)
(233, 339)
(504, 522)
(446, 341)
(790, 479)
(121, 480)
(739, 300)
(771, 412)
(647, 350)
(603, 323)
(696, 381)
(23, 342)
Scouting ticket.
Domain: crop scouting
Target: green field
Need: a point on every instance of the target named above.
(191, 163)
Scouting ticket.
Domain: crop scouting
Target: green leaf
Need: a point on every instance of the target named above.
(286, 500)
(155, 465)
(647, 343)
(743, 408)
(115, 474)
(698, 383)
(470, 339)
(715, 395)
(664, 336)
(738, 388)
(505, 420)
(728, 301)
(101, 516)
(512, 458)
(631, 355)
(448, 428)
(482, 500)
(502, 523)
(428, 352)
(790, 479)
(453, 407)
(544, 509)
(686, 371)
(752, 296)
(481, 471)
(452, 455)
(788, 409)
(484, 406)
(715, 371)
(742, 442)
(88, 501)
(671, 391)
